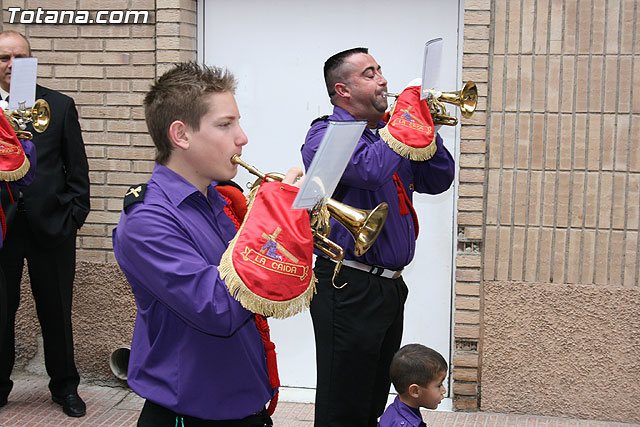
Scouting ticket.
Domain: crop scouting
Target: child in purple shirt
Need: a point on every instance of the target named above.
(417, 373)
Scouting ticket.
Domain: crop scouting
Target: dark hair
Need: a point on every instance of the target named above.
(415, 364)
(179, 95)
(8, 32)
(333, 70)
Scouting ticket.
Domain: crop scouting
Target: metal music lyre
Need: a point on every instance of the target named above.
(39, 115)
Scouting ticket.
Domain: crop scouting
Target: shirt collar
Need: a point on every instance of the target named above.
(174, 185)
(3, 93)
(340, 114)
(408, 413)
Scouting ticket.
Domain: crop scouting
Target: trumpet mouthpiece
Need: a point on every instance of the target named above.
(390, 94)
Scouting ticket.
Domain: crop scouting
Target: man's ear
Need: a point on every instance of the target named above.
(342, 90)
(178, 134)
(414, 391)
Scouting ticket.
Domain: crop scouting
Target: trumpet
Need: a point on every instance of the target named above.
(465, 98)
(364, 225)
(39, 115)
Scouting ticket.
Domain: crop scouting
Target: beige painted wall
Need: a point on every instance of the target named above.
(564, 350)
(559, 290)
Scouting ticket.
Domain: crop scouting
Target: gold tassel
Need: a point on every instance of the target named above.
(321, 220)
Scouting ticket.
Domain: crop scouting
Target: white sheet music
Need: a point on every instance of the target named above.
(329, 163)
(23, 82)
(431, 66)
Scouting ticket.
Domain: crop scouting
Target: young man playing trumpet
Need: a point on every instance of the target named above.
(197, 356)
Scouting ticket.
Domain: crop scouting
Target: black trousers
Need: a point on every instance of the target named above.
(3, 305)
(154, 415)
(51, 273)
(357, 329)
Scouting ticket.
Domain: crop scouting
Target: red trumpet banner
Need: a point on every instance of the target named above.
(268, 264)
(409, 131)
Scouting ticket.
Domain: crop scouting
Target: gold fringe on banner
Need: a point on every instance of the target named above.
(418, 154)
(16, 174)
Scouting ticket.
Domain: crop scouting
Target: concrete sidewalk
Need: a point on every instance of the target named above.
(30, 405)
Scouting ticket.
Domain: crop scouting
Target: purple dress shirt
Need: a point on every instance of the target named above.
(368, 181)
(30, 151)
(195, 349)
(400, 415)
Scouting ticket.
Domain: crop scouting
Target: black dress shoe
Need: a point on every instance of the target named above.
(72, 404)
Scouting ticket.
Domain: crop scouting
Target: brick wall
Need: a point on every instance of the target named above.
(107, 69)
(564, 173)
(561, 209)
(549, 173)
(476, 46)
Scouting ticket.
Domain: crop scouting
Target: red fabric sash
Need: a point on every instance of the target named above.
(405, 203)
(236, 209)
(2, 217)
(272, 363)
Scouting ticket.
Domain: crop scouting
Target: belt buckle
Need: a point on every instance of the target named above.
(376, 271)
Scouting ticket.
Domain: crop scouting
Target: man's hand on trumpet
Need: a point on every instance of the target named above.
(294, 177)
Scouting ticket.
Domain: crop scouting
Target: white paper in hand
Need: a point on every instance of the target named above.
(329, 163)
(431, 66)
(23, 83)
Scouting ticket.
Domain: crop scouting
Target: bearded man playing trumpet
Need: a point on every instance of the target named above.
(198, 356)
(358, 322)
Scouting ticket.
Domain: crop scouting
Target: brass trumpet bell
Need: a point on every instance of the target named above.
(39, 115)
(465, 98)
(364, 225)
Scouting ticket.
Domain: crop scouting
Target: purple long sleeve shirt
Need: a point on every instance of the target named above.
(195, 349)
(400, 415)
(368, 181)
(30, 151)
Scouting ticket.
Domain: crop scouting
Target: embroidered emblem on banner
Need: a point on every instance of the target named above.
(269, 258)
(408, 120)
(8, 149)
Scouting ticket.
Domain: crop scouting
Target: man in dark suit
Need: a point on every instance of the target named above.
(42, 223)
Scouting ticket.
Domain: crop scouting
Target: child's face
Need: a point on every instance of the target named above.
(430, 396)
(219, 137)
